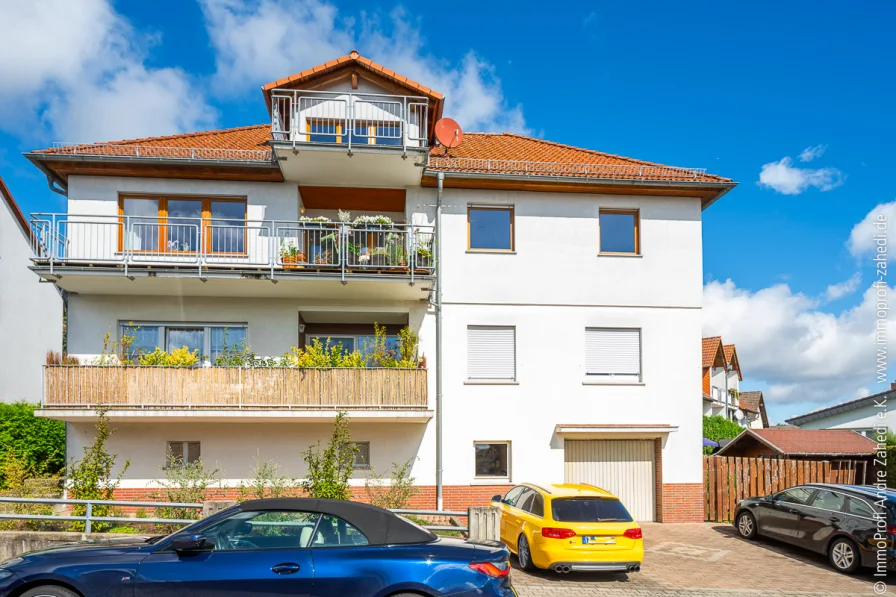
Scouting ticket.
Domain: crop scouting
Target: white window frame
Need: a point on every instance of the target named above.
(185, 447)
(617, 377)
(506, 477)
(206, 334)
(498, 380)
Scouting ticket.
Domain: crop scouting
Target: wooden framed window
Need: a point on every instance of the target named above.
(620, 232)
(180, 224)
(180, 453)
(490, 228)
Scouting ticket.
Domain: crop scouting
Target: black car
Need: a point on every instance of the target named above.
(853, 525)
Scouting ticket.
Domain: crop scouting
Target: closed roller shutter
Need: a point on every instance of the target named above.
(613, 352)
(491, 352)
(625, 468)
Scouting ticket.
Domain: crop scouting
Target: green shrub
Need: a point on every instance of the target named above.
(397, 493)
(329, 470)
(38, 443)
(185, 483)
(718, 427)
(267, 482)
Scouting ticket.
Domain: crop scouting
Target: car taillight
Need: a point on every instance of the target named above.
(633, 534)
(493, 569)
(891, 529)
(552, 533)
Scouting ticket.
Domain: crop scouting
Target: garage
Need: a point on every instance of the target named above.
(624, 467)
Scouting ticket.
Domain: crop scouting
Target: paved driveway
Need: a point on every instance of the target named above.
(705, 560)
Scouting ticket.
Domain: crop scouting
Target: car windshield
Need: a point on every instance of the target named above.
(589, 510)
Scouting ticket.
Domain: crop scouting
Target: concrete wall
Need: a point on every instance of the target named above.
(30, 316)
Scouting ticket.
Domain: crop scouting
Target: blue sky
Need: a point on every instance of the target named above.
(740, 90)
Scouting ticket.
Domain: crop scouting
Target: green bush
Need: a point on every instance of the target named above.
(329, 470)
(397, 493)
(718, 427)
(267, 482)
(38, 443)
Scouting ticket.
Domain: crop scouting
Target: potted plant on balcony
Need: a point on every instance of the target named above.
(372, 222)
(290, 255)
(395, 250)
(379, 256)
(315, 223)
(424, 257)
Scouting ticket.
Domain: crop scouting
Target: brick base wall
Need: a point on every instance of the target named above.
(454, 497)
(682, 502)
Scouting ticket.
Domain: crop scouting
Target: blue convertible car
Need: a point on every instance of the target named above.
(266, 548)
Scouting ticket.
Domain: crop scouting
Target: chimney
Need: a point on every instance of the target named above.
(892, 385)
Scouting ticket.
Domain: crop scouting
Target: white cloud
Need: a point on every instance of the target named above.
(810, 153)
(783, 339)
(838, 291)
(77, 71)
(785, 178)
(258, 42)
(877, 229)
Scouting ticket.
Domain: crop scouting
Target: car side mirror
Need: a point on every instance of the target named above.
(497, 498)
(188, 543)
(769, 498)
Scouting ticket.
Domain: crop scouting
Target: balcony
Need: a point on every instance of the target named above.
(204, 249)
(313, 131)
(235, 394)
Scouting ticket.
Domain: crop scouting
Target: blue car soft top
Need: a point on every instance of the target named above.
(381, 527)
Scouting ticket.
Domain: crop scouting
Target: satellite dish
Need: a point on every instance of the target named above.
(449, 133)
(739, 415)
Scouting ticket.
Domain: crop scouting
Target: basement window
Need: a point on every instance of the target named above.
(180, 453)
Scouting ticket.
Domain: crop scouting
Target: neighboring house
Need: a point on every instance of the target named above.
(560, 360)
(30, 310)
(862, 415)
(752, 404)
(799, 444)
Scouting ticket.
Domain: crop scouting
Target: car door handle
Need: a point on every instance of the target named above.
(286, 568)
(794, 511)
(834, 519)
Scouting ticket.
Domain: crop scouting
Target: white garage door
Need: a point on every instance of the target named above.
(625, 468)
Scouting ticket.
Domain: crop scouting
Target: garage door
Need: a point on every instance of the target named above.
(625, 468)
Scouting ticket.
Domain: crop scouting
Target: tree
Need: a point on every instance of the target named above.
(718, 427)
(329, 470)
(37, 444)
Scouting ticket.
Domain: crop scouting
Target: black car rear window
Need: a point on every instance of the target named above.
(589, 510)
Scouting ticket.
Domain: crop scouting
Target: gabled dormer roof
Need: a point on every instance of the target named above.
(713, 354)
(732, 360)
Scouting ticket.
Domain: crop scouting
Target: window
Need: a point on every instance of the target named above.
(324, 132)
(490, 228)
(514, 494)
(179, 224)
(335, 532)
(613, 353)
(525, 500)
(182, 453)
(533, 503)
(491, 353)
(493, 459)
(350, 343)
(266, 529)
(795, 495)
(716, 393)
(619, 231)
(362, 455)
(589, 510)
(859, 507)
(211, 340)
(828, 500)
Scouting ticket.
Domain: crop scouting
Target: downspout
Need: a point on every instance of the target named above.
(438, 234)
(727, 414)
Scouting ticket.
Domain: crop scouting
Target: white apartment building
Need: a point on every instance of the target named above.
(30, 311)
(563, 285)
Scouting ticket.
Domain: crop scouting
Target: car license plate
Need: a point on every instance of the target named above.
(592, 540)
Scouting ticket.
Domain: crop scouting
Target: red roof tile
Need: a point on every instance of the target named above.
(356, 59)
(508, 153)
(711, 347)
(817, 441)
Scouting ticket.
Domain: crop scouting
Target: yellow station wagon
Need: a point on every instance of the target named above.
(568, 527)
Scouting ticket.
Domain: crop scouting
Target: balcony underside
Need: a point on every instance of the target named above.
(251, 283)
(239, 415)
(331, 165)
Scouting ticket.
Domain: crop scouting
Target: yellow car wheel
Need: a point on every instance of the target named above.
(524, 554)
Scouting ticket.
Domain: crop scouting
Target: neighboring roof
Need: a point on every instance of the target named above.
(751, 401)
(509, 153)
(808, 442)
(17, 214)
(713, 355)
(353, 58)
(379, 526)
(732, 360)
(245, 143)
(843, 407)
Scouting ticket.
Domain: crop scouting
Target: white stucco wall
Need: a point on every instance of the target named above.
(860, 419)
(30, 316)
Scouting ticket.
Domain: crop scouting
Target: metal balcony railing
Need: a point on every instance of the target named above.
(349, 119)
(275, 247)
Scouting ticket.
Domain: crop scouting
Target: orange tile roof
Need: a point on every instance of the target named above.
(243, 143)
(732, 360)
(711, 350)
(352, 58)
(729, 352)
(817, 441)
(751, 400)
(519, 154)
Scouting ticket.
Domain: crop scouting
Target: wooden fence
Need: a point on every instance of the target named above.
(727, 480)
(233, 387)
